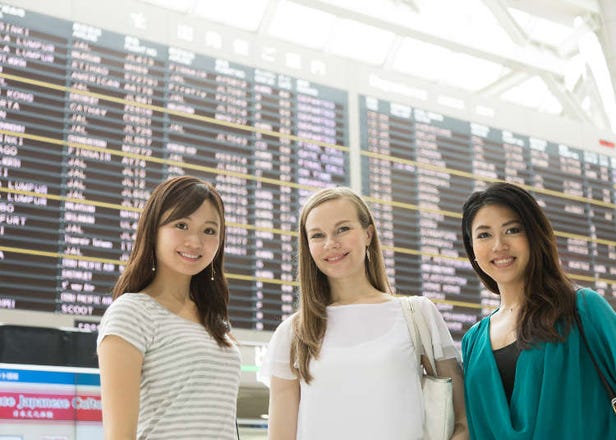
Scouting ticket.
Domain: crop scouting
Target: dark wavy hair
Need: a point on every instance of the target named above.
(549, 293)
(171, 200)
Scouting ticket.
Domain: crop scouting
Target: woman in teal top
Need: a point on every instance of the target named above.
(527, 373)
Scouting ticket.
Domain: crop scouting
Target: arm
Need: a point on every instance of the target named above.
(283, 409)
(120, 368)
(451, 368)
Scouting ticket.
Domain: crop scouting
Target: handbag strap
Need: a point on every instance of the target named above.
(419, 331)
(607, 386)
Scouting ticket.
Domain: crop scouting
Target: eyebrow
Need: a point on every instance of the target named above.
(207, 222)
(507, 223)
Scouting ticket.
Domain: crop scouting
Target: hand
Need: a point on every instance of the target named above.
(460, 432)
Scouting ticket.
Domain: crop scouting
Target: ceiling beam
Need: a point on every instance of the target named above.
(268, 16)
(570, 103)
(504, 83)
(502, 15)
(607, 38)
(541, 61)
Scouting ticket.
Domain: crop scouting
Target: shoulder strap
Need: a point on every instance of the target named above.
(419, 331)
(607, 386)
(407, 311)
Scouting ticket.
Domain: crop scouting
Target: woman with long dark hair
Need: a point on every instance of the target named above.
(527, 372)
(169, 367)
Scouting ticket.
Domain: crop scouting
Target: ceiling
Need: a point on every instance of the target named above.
(554, 56)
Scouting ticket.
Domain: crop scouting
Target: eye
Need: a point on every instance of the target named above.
(343, 229)
(181, 225)
(515, 230)
(317, 236)
(210, 231)
(482, 235)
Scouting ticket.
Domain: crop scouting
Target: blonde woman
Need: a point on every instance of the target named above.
(344, 366)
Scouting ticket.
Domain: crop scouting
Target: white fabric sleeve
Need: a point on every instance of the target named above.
(128, 317)
(442, 342)
(277, 355)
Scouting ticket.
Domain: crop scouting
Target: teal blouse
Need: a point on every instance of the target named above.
(557, 393)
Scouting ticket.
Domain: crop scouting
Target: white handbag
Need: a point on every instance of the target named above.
(437, 391)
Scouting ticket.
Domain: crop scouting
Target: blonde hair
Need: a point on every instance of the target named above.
(310, 322)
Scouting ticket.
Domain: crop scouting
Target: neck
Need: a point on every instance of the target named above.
(353, 293)
(175, 292)
(511, 300)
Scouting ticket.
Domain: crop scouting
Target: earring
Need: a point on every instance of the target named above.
(368, 253)
(212, 273)
(154, 267)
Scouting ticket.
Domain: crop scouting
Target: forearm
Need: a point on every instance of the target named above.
(120, 371)
(450, 368)
(283, 409)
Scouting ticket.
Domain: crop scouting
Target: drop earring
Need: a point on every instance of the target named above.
(154, 267)
(213, 272)
(368, 253)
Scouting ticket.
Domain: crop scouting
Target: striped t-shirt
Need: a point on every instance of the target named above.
(189, 384)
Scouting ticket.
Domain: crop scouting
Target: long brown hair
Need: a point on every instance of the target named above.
(310, 322)
(171, 200)
(549, 294)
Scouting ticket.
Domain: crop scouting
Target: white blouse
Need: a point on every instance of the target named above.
(365, 382)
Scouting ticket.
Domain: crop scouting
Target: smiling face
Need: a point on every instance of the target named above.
(337, 240)
(501, 246)
(186, 246)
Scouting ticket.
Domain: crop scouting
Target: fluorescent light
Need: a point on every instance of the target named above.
(359, 41)
(534, 93)
(591, 51)
(243, 14)
(177, 5)
(441, 65)
(540, 29)
(484, 111)
(450, 101)
(302, 25)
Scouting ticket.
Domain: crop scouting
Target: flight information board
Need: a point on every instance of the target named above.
(419, 167)
(91, 121)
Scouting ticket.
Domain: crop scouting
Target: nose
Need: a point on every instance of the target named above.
(193, 240)
(500, 242)
(332, 243)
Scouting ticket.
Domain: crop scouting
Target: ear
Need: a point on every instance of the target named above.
(369, 234)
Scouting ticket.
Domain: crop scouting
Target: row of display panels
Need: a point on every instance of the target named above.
(91, 121)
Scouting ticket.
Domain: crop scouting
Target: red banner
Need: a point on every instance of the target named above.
(37, 406)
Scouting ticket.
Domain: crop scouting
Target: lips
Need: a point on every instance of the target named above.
(335, 258)
(503, 262)
(189, 256)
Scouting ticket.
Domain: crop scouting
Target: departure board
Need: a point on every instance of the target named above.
(418, 169)
(91, 121)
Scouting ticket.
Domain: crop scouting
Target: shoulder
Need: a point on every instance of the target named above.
(131, 300)
(285, 328)
(474, 332)
(594, 308)
(131, 316)
(420, 302)
(426, 307)
(591, 303)
(130, 305)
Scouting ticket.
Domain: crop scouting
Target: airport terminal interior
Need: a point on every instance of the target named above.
(412, 103)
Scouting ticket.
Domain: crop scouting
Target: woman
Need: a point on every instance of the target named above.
(344, 367)
(169, 367)
(528, 375)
